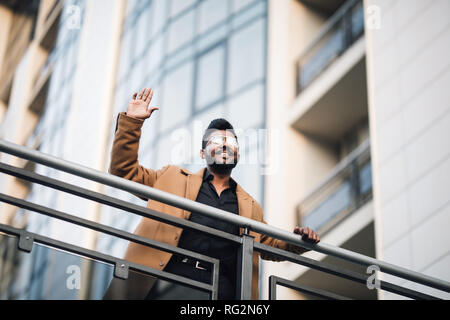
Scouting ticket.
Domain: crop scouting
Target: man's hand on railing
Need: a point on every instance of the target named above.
(308, 235)
(138, 106)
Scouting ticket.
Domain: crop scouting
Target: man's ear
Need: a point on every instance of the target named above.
(202, 153)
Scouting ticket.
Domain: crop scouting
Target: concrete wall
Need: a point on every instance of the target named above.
(93, 92)
(291, 27)
(408, 65)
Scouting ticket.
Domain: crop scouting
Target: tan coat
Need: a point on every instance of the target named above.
(178, 181)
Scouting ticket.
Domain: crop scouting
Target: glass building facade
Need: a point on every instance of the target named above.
(39, 274)
(204, 60)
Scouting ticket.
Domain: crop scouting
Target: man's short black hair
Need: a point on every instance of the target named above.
(216, 124)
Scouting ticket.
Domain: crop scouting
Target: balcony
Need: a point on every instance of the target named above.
(20, 31)
(332, 79)
(340, 33)
(49, 33)
(49, 268)
(346, 189)
(326, 7)
(40, 91)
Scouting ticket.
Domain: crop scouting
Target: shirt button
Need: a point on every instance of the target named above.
(161, 264)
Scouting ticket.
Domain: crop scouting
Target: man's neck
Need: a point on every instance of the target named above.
(220, 179)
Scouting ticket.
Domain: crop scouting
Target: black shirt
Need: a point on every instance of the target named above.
(223, 250)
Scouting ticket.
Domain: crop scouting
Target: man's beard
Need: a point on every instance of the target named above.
(224, 168)
(219, 168)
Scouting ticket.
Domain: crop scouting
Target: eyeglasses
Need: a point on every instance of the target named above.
(220, 140)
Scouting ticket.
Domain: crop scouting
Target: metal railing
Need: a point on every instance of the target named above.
(338, 34)
(246, 242)
(343, 191)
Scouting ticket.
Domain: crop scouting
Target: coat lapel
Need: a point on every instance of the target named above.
(193, 185)
(245, 204)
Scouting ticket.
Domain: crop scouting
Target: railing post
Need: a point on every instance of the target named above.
(272, 288)
(355, 183)
(245, 265)
(347, 28)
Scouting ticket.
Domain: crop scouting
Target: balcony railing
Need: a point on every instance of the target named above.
(31, 241)
(346, 189)
(339, 33)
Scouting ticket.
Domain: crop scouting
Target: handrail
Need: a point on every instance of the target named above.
(122, 267)
(186, 204)
(339, 271)
(245, 241)
(33, 177)
(274, 281)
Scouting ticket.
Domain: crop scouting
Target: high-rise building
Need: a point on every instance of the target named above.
(359, 90)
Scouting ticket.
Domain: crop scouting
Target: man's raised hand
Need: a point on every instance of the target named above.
(138, 107)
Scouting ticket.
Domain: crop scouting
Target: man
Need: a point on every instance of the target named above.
(212, 186)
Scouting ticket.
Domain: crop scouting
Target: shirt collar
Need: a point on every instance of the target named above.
(209, 177)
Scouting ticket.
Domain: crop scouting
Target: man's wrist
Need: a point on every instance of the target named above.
(130, 116)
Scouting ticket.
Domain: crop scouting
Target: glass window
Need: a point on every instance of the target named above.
(246, 56)
(211, 12)
(136, 77)
(147, 152)
(141, 30)
(131, 5)
(246, 15)
(69, 62)
(142, 71)
(246, 110)
(199, 125)
(181, 31)
(55, 82)
(179, 56)
(167, 151)
(157, 95)
(147, 14)
(155, 54)
(212, 37)
(64, 27)
(177, 6)
(194, 166)
(149, 131)
(248, 174)
(127, 49)
(241, 4)
(127, 90)
(177, 96)
(210, 77)
(158, 16)
(122, 97)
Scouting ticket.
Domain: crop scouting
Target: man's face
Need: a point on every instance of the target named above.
(221, 151)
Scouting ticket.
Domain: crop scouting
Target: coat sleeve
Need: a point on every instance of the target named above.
(124, 155)
(276, 243)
